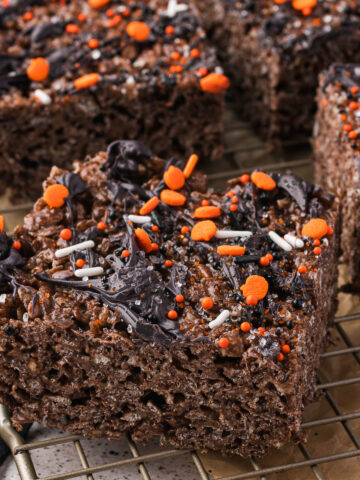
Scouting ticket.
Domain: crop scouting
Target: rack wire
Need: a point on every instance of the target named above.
(236, 161)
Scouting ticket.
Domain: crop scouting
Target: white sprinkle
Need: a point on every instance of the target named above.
(89, 272)
(130, 80)
(96, 54)
(3, 298)
(85, 279)
(294, 241)
(220, 319)
(174, 8)
(232, 233)
(280, 241)
(42, 96)
(64, 252)
(26, 317)
(139, 218)
(326, 242)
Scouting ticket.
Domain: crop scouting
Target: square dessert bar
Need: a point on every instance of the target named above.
(336, 145)
(274, 50)
(134, 300)
(78, 74)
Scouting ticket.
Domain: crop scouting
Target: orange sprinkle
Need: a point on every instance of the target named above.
(317, 251)
(233, 207)
(280, 357)
(155, 228)
(316, 242)
(207, 303)
(16, 245)
(324, 102)
(175, 56)
(190, 165)
(330, 231)
(233, 250)
(93, 43)
(154, 247)
(184, 230)
(245, 326)
(174, 199)
(1, 223)
(194, 53)
(223, 342)
(269, 256)
(263, 181)
(230, 194)
(301, 4)
(169, 30)
(207, 212)
(214, 83)
(110, 12)
(66, 234)
(265, 261)
(149, 206)
(179, 298)
(143, 240)
(285, 348)
(354, 90)
(81, 17)
(168, 263)
(175, 69)
(54, 195)
(252, 300)
(72, 28)
(255, 285)
(203, 231)
(38, 70)
(307, 11)
(28, 16)
(138, 30)
(234, 200)
(125, 13)
(80, 262)
(174, 178)
(87, 80)
(245, 178)
(114, 21)
(353, 106)
(352, 134)
(125, 253)
(172, 314)
(205, 203)
(98, 3)
(315, 228)
(346, 127)
(302, 269)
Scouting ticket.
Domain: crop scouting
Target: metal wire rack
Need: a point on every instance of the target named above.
(236, 161)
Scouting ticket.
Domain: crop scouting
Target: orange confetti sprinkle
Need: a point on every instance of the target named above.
(174, 199)
(214, 83)
(190, 165)
(301, 4)
(207, 212)
(233, 250)
(143, 240)
(315, 228)
(149, 206)
(203, 231)
(55, 195)
(255, 285)
(98, 3)
(174, 178)
(87, 80)
(1, 223)
(263, 181)
(138, 30)
(38, 70)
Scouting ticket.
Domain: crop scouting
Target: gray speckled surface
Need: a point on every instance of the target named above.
(63, 458)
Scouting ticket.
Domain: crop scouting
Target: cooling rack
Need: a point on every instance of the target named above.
(243, 151)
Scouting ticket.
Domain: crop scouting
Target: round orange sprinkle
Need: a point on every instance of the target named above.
(234, 200)
(263, 181)
(214, 83)
(202, 71)
(143, 240)
(324, 102)
(38, 70)
(174, 178)
(233, 208)
(302, 269)
(66, 234)
(252, 300)
(269, 256)
(233, 250)
(285, 348)
(175, 56)
(72, 28)
(125, 253)
(346, 127)
(317, 251)
(207, 212)
(185, 230)
(264, 261)
(138, 30)
(280, 357)
(28, 16)
(110, 12)
(1, 223)
(307, 11)
(101, 226)
(261, 330)
(207, 303)
(149, 206)
(245, 326)
(230, 194)
(80, 262)
(353, 106)
(54, 195)
(172, 314)
(87, 80)
(190, 165)
(205, 203)
(16, 245)
(245, 178)
(174, 199)
(354, 90)
(316, 242)
(255, 285)
(301, 4)
(169, 30)
(223, 342)
(315, 228)
(179, 298)
(93, 43)
(114, 21)
(155, 228)
(194, 53)
(168, 263)
(98, 3)
(330, 231)
(125, 13)
(352, 134)
(154, 247)
(203, 231)
(81, 17)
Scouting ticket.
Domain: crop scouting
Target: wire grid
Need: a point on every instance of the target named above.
(22, 451)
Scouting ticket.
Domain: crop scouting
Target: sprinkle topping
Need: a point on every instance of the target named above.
(55, 195)
(203, 231)
(315, 228)
(263, 181)
(255, 285)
